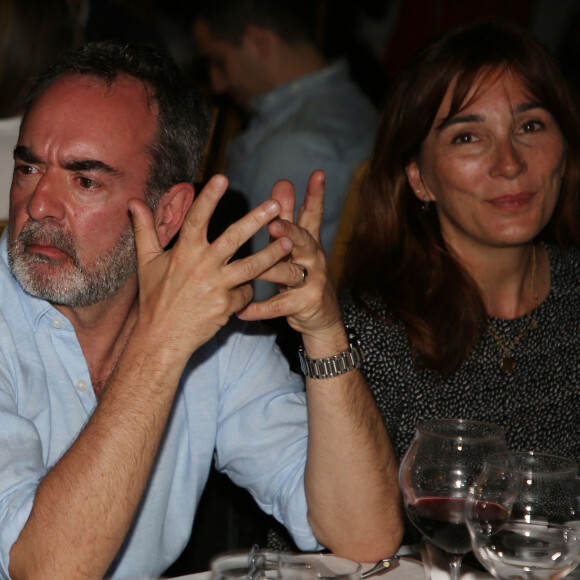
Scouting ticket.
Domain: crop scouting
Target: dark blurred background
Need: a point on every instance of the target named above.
(377, 36)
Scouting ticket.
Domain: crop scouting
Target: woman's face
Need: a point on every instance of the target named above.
(494, 169)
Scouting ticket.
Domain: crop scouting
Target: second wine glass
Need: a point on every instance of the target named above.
(436, 473)
(524, 516)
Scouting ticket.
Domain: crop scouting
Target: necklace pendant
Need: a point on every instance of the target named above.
(507, 365)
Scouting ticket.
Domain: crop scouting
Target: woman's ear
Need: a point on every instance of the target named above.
(414, 178)
(171, 211)
(418, 185)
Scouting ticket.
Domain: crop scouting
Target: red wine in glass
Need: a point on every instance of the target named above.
(443, 521)
(435, 476)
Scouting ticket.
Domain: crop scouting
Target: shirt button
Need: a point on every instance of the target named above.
(56, 322)
(81, 385)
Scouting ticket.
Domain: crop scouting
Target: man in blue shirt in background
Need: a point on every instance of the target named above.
(122, 369)
(304, 113)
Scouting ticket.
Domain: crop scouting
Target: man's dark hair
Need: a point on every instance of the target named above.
(183, 121)
(291, 20)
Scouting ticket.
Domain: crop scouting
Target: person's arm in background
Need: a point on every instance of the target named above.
(351, 474)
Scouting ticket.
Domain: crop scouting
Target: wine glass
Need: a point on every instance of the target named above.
(271, 565)
(523, 515)
(258, 565)
(436, 472)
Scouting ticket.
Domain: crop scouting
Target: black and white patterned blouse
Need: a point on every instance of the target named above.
(538, 404)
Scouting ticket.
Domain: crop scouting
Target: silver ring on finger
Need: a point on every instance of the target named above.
(302, 281)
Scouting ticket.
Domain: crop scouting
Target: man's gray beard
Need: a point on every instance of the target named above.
(77, 286)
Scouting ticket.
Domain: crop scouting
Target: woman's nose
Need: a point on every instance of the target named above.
(508, 162)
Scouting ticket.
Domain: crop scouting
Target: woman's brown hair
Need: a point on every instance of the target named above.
(397, 251)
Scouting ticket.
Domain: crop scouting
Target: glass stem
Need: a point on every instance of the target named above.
(455, 566)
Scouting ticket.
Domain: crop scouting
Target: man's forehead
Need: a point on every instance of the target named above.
(88, 105)
(82, 118)
(74, 87)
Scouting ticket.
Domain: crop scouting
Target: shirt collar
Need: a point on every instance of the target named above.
(268, 102)
(36, 307)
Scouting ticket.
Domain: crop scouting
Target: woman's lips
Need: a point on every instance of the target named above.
(511, 201)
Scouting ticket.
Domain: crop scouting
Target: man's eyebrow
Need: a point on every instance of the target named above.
(475, 118)
(90, 165)
(26, 154)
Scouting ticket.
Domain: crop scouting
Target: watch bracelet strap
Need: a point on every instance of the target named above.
(325, 368)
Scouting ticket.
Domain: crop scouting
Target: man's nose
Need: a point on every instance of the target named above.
(44, 201)
(218, 81)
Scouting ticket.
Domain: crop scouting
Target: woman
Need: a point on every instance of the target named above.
(464, 270)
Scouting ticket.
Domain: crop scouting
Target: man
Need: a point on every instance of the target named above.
(304, 113)
(121, 369)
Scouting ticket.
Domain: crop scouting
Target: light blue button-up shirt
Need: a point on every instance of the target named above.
(318, 121)
(237, 397)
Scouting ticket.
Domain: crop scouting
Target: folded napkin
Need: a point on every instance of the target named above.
(436, 564)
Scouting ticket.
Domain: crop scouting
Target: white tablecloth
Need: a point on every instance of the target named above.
(433, 567)
(402, 570)
(198, 576)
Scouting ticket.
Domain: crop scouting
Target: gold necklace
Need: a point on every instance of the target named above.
(508, 364)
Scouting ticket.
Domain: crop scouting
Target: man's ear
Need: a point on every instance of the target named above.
(259, 39)
(171, 211)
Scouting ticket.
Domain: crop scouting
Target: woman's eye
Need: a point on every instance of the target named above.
(463, 138)
(532, 126)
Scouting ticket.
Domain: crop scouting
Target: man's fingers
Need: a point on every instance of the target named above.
(241, 296)
(253, 267)
(241, 231)
(146, 239)
(197, 219)
(283, 193)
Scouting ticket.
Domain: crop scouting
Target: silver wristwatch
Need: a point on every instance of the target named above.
(326, 368)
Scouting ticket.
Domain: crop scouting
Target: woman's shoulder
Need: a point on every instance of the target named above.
(564, 265)
(368, 315)
(364, 306)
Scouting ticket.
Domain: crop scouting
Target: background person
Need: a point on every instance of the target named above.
(304, 113)
(121, 373)
(463, 275)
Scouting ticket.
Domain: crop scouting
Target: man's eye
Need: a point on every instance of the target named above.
(216, 64)
(463, 138)
(24, 169)
(87, 183)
